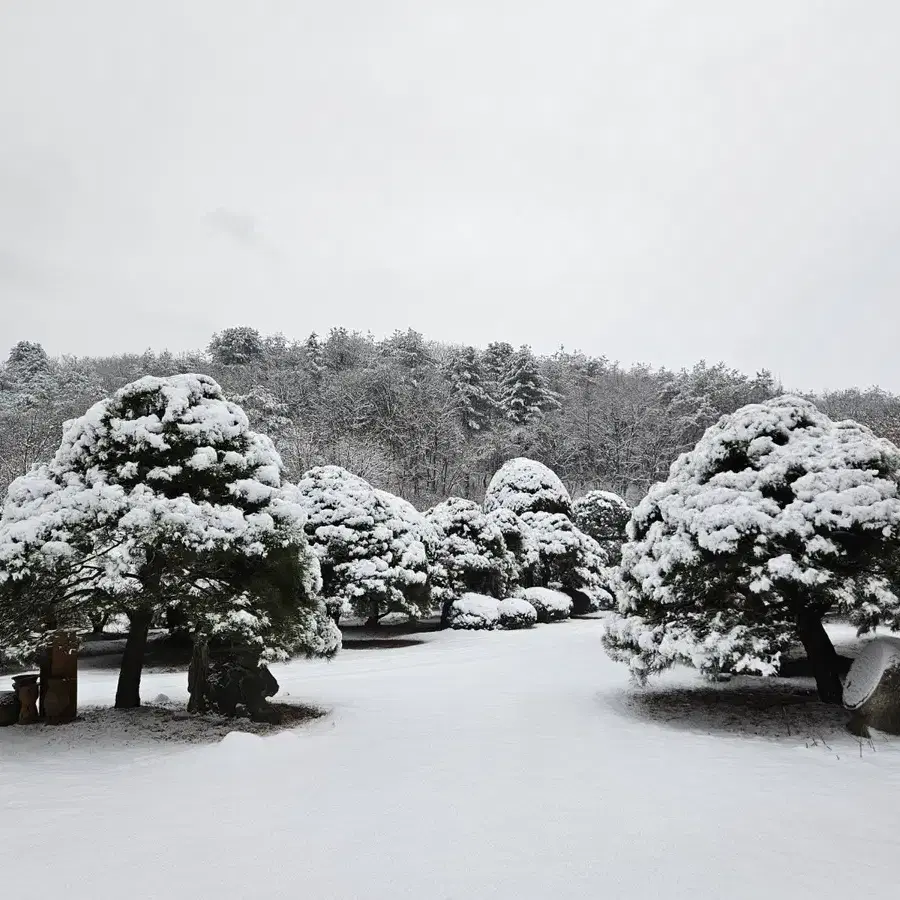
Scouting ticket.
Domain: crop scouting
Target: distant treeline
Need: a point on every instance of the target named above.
(421, 418)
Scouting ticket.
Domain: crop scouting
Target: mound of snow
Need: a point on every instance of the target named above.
(516, 613)
(549, 605)
(880, 656)
(474, 612)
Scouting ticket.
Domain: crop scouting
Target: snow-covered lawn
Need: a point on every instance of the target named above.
(490, 764)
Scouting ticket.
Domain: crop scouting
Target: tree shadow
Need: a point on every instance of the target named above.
(777, 709)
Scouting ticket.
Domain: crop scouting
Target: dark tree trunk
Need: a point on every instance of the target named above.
(128, 692)
(198, 677)
(823, 659)
(372, 621)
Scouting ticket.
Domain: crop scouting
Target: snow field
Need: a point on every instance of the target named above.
(502, 765)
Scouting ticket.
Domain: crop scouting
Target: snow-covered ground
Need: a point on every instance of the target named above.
(491, 764)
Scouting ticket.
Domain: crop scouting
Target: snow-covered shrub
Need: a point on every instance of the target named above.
(520, 544)
(872, 688)
(570, 560)
(775, 517)
(603, 515)
(516, 613)
(161, 493)
(373, 562)
(524, 485)
(474, 612)
(470, 556)
(549, 606)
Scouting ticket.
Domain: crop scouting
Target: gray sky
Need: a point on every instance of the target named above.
(654, 181)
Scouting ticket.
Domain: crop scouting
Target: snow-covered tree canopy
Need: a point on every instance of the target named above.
(602, 515)
(778, 515)
(372, 553)
(524, 485)
(471, 554)
(162, 492)
(521, 543)
(570, 560)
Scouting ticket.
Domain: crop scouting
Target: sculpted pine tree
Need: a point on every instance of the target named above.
(471, 554)
(776, 517)
(603, 515)
(373, 560)
(161, 493)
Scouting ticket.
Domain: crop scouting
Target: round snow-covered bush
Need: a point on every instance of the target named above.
(526, 486)
(872, 688)
(474, 612)
(549, 606)
(516, 613)
(603, 516)
(373, 561)
(570, 560)
(471, 555)
(520, 544)
(776, 516)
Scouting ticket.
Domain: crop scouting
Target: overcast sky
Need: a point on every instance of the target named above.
(657, 181)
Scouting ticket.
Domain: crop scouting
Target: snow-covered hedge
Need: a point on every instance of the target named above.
(603, 516)
(526, 486)
(474, 611)
(776, 516)
(516, 612)
(471, 554)
(550, 606)
(373, 560)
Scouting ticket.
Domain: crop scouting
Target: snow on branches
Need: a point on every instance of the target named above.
(371, 545)
(524, 485)
(162, 493)
(471, 554)
(776, 516)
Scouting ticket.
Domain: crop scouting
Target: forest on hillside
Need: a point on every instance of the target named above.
(422, 418)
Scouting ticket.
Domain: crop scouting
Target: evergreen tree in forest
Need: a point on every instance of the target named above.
(524, 394)
(314, 358)
(237, 346)
(464, 371)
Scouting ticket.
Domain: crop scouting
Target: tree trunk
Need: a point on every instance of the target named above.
(128, 692)
(823, 658)
(198, 676)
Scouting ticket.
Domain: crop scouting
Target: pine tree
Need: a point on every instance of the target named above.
(373, 562)
(27, 363)
(161, 491)
(237, 346)
(464, 371)
(314, 358)
(524, 394)
(776, 517)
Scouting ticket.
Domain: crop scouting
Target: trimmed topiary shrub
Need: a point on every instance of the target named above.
(550, 606)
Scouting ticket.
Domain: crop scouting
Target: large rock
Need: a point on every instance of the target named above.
(872, 688)
(236, 684)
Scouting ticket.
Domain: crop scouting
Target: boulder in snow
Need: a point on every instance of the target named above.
(872, 688)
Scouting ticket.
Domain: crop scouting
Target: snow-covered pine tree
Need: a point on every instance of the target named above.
(525, 485)
(570, 561)
(313, 358)
(524, 394)
(27, 363)
(776, 517)
(521, 545)
(236, 346)
(464, 371)
(372, 561)
(161, 491)
(471, 555)
(603, 515)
